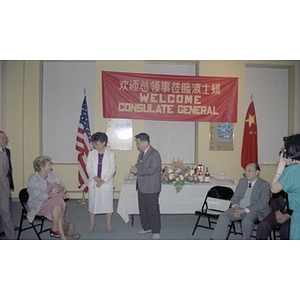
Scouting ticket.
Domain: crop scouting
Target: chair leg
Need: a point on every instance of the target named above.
(196, 225)
(20, 226)
(270, 235)
(209, 223)
(233, 226)
(229, 231)
(132, 219)
(42, 224)
(36, 231)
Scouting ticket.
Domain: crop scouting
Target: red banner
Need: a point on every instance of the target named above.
(169, 97)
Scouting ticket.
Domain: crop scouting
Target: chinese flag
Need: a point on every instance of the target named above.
(249, 150)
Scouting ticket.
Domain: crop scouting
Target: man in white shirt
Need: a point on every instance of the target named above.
(250, 203)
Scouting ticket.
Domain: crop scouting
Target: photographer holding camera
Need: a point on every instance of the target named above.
(287, 177)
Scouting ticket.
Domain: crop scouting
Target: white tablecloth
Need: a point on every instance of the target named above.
(187, 201)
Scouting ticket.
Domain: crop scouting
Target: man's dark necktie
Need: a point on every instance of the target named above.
(142, 156)
(249, 184)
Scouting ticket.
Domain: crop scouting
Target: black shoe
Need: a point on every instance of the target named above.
(2, 234)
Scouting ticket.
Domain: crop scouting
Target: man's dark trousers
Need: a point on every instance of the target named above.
(268, 224)
(149, 211)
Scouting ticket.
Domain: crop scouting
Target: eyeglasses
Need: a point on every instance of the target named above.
(249, 171)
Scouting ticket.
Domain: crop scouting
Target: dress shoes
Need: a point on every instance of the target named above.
(54, 234)
(156, 236)
(144, 231)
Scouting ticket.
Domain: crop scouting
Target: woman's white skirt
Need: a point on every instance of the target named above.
(101, 200)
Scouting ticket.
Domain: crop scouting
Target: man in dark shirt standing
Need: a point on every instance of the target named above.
(8, 225)
(3, 144)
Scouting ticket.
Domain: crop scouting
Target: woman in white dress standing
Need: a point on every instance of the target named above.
(100, 166)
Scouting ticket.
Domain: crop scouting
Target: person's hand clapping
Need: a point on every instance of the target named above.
(133, 169)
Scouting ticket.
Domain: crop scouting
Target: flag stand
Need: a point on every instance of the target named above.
(83, 200)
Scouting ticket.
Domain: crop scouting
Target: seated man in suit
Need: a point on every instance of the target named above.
(279, 217)
(249, 204)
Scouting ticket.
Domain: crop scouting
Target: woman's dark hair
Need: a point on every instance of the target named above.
(99, 137)
(292, 146)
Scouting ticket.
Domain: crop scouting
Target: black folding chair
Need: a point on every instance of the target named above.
(240, 232)
(23, 197)
(217, 200)
(276, 230)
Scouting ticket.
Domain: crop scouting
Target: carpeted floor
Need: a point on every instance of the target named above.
(169, 268)
(174, 227)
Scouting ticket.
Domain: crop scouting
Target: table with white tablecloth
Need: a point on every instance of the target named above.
(187, 201)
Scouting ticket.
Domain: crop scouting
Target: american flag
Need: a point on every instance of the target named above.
(83, 145)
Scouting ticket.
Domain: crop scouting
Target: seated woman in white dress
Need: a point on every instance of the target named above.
(100, 166)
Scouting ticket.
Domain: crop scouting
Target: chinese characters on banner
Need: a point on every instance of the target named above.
(169, 97)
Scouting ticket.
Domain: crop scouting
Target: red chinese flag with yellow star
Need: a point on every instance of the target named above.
(249, 150)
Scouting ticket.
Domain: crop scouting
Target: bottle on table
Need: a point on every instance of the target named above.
(201, 172)
(200, 176)
(207, 176)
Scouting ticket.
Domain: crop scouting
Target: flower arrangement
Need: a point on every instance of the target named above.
(178, 174)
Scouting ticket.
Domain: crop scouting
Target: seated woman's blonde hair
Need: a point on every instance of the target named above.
(41, 161)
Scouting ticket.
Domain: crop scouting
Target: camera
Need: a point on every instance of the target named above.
(284, 153)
